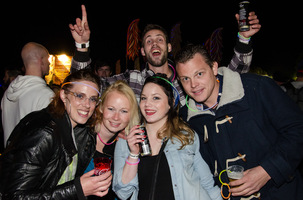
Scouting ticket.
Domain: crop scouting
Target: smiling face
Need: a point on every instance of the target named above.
(79, 111)
(116, 111)
(154, 104)
(199, 79)
(155, 48)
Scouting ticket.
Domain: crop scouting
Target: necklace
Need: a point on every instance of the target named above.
(213, 106)
(173, 72)
(105, 142)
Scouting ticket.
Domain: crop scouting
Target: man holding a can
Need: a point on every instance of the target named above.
(246, 120)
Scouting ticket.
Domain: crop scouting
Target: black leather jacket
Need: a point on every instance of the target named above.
(39, 150)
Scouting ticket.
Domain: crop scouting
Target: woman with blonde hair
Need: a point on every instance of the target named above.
(117, 112)
(175, 169)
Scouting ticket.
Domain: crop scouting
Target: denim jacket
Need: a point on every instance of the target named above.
(191, 177)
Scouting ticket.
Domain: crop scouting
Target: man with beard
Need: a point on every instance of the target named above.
(155, 47)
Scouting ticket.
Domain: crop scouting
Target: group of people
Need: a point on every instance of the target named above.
(199, 119)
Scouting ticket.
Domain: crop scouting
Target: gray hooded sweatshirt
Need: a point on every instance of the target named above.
(24, 95)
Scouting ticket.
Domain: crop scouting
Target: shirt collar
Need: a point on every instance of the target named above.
(202, 107)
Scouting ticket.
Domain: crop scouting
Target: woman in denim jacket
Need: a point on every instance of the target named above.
(175, 169)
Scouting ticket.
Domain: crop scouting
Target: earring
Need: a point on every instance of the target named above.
(217, 79)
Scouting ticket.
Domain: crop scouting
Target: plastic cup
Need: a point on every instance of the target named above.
(102, 165)
(234, 172)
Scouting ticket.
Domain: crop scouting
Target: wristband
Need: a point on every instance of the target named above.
(243, 39)
(132, 163)
(81, 46)
(134, 156)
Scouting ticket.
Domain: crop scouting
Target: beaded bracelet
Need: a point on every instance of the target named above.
(134, 156)
(131, 163)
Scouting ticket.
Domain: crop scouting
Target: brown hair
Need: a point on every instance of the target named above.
(56, 107)
(189, 51)
(150, 27)
(174, 125)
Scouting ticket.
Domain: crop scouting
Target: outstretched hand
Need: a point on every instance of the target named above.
(254, 25)
(80, 31)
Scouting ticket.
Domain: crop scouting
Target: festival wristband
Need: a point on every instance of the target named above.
(132, 163)
(134, 156)
(81, 46)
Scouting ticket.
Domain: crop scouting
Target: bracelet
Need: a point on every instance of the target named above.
(243, 39)
(84, 45)
(131, 163)
(134, 156)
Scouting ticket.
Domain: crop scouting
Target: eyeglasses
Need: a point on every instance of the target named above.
(81, 98)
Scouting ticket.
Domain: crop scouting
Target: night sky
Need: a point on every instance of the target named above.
(277, 45)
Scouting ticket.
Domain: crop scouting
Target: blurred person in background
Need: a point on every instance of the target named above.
(49, 149)
(29, 92)
(102, 68)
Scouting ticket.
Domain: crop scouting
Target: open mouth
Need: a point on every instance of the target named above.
(156, 52)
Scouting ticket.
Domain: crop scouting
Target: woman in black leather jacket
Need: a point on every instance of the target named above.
(49, 150)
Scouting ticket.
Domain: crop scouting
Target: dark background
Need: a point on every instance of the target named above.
(277, 46)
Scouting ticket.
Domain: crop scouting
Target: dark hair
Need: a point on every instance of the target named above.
(101, 63)
(190, 50)
(56, 107)
(150, 27)
(167, 88)
(13, 72)
(174, 124)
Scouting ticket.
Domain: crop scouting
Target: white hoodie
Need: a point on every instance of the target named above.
(25, 94)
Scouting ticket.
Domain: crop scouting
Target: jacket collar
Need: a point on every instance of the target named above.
(64, 128)
(232, 86)
(232, 91)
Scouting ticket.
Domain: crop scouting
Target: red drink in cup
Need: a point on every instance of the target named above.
(102, 165)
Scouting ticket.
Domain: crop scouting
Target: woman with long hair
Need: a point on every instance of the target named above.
(175, 169)
(49, 150)
(116, 114)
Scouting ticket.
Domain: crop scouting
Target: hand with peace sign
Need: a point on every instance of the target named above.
(80, 31)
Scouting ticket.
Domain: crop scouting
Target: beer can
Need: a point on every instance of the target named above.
(145, 147)
(243, 16)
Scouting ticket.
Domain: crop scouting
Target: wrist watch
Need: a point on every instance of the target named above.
(83, 45)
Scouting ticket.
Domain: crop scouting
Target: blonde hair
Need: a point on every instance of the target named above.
(121, 87)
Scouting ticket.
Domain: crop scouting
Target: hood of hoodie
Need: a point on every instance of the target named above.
(21, 85)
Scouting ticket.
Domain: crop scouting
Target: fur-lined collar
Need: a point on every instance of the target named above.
(232, 91)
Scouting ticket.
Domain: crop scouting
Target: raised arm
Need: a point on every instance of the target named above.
(81, 34)
(80, 31)
(243, 51)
